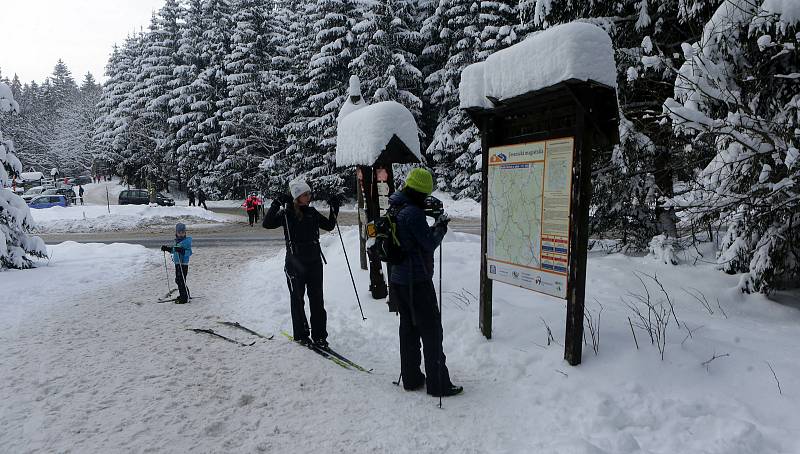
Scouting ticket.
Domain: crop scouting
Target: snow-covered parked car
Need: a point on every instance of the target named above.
(48, 201)
(31, 193)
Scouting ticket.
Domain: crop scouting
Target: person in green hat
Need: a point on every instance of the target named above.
(411, 288)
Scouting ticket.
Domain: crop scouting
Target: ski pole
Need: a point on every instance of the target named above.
(355, 290)
(166, 273)
(183, 277)
(441, 353)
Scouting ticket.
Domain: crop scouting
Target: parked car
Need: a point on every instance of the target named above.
(66, 192)
(141, 197)
(31, 193)
(47, 201)
(83, 179)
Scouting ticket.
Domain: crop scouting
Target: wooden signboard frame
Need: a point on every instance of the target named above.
(585, 111)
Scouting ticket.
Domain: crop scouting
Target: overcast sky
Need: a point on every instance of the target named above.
(34, 34)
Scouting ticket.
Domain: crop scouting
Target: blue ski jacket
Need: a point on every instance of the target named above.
(186, 244)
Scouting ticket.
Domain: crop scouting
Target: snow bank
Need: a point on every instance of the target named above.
(462, 208)
(363, 134)
(95, 218)
(575, 50)
(624, 400)
(73, 268)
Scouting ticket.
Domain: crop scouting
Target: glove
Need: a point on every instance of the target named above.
(166, 248)
(284, 199)
(442, 220)
(334, 203)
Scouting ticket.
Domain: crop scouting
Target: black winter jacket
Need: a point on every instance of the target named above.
(302, 237)
(418, 241)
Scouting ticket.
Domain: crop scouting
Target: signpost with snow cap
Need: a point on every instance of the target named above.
(542, 107)
(372, 138)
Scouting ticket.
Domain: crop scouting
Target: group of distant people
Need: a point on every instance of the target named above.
(201, 198)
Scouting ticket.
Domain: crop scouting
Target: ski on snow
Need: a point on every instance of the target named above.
(173, 300)
(216, 334)
(328, 353)
(237, 325)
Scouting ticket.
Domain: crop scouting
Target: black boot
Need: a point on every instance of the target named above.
(448, 391)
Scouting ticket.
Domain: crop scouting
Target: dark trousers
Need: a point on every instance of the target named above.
(420, 320)
(252, 217)
(202, 203)
(303, 277)
(191, 202)
(180, 278)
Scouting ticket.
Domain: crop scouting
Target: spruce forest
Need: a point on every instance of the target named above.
(231, 94)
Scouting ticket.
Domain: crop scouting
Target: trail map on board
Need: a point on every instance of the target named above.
(528, 214)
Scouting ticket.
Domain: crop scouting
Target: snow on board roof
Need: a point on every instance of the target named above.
(576, 50)
(363, 134)
(31, 176)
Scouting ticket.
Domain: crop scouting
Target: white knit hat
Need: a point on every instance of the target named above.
(298, 188)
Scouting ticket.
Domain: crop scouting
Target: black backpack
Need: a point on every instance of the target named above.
(387, 243)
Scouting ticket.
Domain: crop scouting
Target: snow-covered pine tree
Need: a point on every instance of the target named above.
(388, 47)
(60, 95)
(293, 42)
(630, 180)
(189, 105)
(454, 147)
(15, 216)
(120, 130)
(328, 80)
(499, 21)
(74, 136)
(209, 94)
(250, 133)
(152, 93)
(30, 134)
(110, 98)
(183, 118)
(737, 95)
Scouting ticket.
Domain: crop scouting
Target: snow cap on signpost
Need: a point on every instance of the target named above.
(383, 132)
(573, 51)
(354, 100)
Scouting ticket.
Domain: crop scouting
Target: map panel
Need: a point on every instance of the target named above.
(528, 215)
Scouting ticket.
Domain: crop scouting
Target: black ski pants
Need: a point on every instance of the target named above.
(420, 320)
(302, 277)
(252, 217)
(180, 278)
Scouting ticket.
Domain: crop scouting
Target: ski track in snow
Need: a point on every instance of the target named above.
(106, 369)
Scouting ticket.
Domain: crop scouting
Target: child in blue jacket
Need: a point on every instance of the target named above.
(181, 251)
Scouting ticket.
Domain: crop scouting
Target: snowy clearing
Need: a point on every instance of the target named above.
(101, 367)
(96, 218)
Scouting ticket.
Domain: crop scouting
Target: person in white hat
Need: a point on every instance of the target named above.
(301, 224)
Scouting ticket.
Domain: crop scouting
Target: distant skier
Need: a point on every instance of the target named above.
(201, 198)
(251, 206)
(190, 194)
(411, 288)
(181, 252)
(80, 193)
(301, 224)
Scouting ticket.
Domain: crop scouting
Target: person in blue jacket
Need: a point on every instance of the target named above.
(181, 252)
(411, 288)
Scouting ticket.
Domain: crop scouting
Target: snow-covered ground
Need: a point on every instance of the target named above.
(96, 218)
(99, 367)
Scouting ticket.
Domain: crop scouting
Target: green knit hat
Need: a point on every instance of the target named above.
(420, 180)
